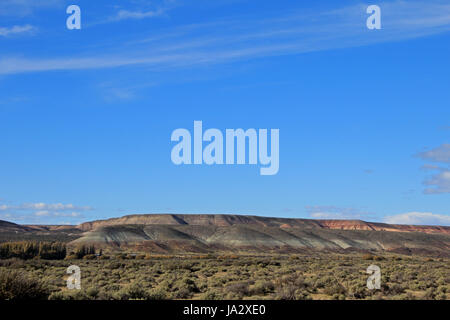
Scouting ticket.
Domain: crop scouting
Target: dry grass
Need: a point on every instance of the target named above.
(322, 276)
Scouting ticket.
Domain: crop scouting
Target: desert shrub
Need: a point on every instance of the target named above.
(430, 294)
(133, 292)
(156, 294)
(137, 292)
(58, 295)
(396, 289)
(297, 280)
(271, 277)
(441, 296)
(93, 292)
(182, 293)
(14, 285)
(324, 281)
(286, 292)
(227, 257)
(357, 291)
(70, 295)
(335, 289)
(121, 256)
(262, 287)
(239, 288)
(114, 265)
(185, 288)
(212, 295)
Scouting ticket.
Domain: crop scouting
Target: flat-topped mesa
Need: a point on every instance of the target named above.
(224, 220)
(213, 233)
(376, 226)
(219, 220)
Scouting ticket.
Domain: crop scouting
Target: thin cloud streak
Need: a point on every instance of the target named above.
(125, 14)
(21, 8)
(15, 30)
(343, 28)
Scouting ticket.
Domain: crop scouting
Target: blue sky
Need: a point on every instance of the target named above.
(86, 115)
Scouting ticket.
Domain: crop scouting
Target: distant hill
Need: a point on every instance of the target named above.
(6, 226)
(210, 233)
(197, 233)
(14, 232)
(223, 220)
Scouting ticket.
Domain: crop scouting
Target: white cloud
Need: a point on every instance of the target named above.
(41, 206)
(333, 212)
(47, 213)
(418, 218)
(51, 206)
(440, 181)
(41, 212)
(439, 154)
(15, 30)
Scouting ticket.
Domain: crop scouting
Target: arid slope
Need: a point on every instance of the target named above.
(236, 233)
(209, 233)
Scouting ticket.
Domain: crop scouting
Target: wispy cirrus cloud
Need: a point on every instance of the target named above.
(16, 30)
(143, 10)
(113, 91)
(20, 8)
(244, 39)
(139, 14)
